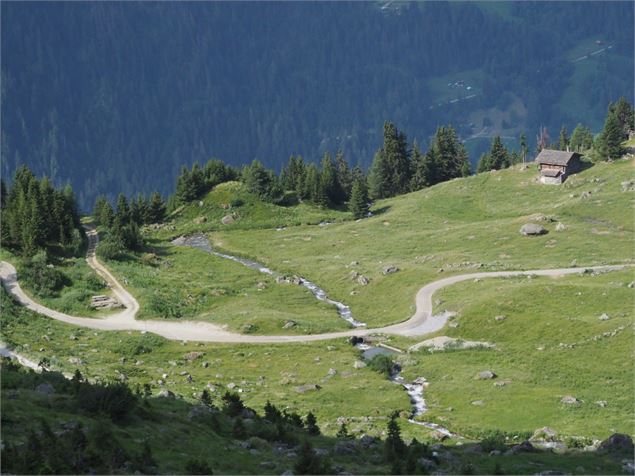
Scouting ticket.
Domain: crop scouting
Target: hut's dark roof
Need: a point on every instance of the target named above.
(555, 157)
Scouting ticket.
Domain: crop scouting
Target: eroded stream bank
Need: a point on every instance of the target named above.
(200, 242)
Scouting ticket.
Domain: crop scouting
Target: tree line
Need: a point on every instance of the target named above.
(36, 216)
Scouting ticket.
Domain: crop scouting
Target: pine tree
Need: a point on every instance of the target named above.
(420, 175)
(611, 138)
(156, 209)
(308, 462)
(397, 160)
(311, 425)
(358, 203)
(498, 154)
(343, 431)
(524, 149)
(123, 210)
(394, 446)
(344, 177)
(625, 116)
(328, 182)
(256, 179)
(581, 138)
(449, 154)
(100, 203)
(378, 177)
(484, 164)
(563, 141)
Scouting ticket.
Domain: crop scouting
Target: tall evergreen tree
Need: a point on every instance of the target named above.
(394, 446)
(344, 177)
(612, 136)
(563, 141)
(581, 138)
(358, 203)
(378, 177)
(524, 149)
(311, 424)
(328, 181)
(449, 154)
(156, 208)
(397, 160)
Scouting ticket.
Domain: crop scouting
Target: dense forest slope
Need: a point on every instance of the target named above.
(115, 97)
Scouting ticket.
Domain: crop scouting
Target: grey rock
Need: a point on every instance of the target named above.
(529, 229)
(76, 361)
(570, 400)
(289, 324)
(288, 472)
(544, 434)
(332, 372)
(524, 447)
(346, 447)
(478, 403)
(166, 394)
(617, 442)
(362, 280)
(231, 385)
(602, 403)
(389, 269)
(193, 355)
(485, 375)
(560, 226)
(227, 220)
(368, 441)
(358, 364)
(307, 388)
(45, 389)
(354, 275)
(72, 337)
(426, 463)
(604, 317)
(500, 318)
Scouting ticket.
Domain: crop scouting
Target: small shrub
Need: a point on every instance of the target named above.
(198, 466)
(110, 250)
(237, 202)
(115, 400)
(44, 279)
(494, 441)
(383, 364)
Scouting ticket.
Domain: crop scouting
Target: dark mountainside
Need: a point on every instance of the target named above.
(117, 96)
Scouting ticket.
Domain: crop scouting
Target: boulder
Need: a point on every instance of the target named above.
(389, 269)
(524, 447)
(45, 389)
(362, 280)
(358, 364)
(570, 400)
(617, 442)
(307, 388)
(166, 394)
(75, 361)
(500, 318)
(227, 220)
(604, 317)
(104, 302)
(200, 220)
(485, 375)
(289, 324)
(368, 441)
(193, 355)
(346, 447)
(560, 226)
(354, 275)
(544, 434)
(602, 403)
(532, 229)
(478, 403)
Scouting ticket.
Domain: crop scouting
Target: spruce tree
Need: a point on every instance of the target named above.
(156, 208)
(420, 174)
(358, 203)
(484, 164)
(397, 160)
(499, 156)
(581, 138)
(378, 177)
(563, 141)
(394, 446)
(311, 424)
(328, 182)
(344, 177)
(611, 138)
(524, 149)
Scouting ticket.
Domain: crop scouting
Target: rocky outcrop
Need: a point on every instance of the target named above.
(104, 302)
(532, 229)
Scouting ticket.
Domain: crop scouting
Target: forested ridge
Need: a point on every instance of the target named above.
(116, 97)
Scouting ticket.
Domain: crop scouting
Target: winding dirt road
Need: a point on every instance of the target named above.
(421, 323)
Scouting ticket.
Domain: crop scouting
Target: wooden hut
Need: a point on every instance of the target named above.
(556, 165)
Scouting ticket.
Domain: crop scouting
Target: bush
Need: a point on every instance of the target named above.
(115, 400)
(237, 202)
(197, 466)
(288, 199)
(383, 364)
(108, 249)
(139, 345)
(164, 307)
(494, 441)
(44, 279)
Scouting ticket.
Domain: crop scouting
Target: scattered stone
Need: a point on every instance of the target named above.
(346, 447)
(200, 220)
(500, 384)
(441, 343)
(227, 220)
(354, 275)
(485, 375)
(560, 226)
(617, 442)
(628, 186)
(438, 436)
(166, 394)
(354, 263)
(307, 388)
(544, 434)
(532, 229)
(104, 302)
(261, 285)
(389, 269)
(604, 317)
(500, 318)
(359, 364)
(289, 324)
(524, 447)
(368, 441)
(570, 400)
(205, 365)
(193, 355)
(332, 372)
(231, 385)
(362, 280)
(478, 403)
(631, 285)
(45, 389)
(602, 403)
(585, 194)
(76, 361)
(72, 337)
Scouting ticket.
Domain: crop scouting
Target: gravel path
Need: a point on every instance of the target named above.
(421, 323)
